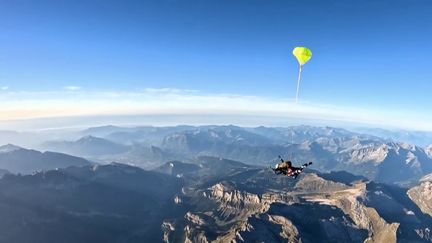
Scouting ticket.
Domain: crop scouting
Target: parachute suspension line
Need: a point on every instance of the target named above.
(298, 83)
(292, 144)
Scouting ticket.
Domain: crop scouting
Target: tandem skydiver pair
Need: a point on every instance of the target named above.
(286, 168)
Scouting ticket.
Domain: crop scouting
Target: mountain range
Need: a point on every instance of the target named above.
(15, 159)
(332, 149)
(211, 200)
(213, 184)
(108, 203)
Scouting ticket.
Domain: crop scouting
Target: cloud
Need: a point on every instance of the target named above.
(4, 88)
(169, 90)
(169, 101)
(72, 88)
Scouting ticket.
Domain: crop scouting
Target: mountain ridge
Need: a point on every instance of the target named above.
(19, 160)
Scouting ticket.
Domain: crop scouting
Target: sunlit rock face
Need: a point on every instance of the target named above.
(422, 194)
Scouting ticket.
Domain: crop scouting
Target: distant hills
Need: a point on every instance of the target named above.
(15, 159)
(27, 139)
(332, 149)
(419, 138)
(3, 172)
(87, 146)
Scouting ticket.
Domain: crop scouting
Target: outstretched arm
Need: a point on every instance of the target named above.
(281, 159)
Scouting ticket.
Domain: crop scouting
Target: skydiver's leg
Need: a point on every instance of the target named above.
(292, 172)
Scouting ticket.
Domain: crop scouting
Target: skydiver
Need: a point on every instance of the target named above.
(286, 168)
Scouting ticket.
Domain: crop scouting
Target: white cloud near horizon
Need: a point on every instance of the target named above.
(169, 101)
(72, 88)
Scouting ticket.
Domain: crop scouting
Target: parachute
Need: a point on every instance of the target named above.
(303, 55)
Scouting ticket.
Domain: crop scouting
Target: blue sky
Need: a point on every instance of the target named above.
(368, 57)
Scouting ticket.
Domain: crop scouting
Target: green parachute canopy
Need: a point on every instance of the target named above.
(303, 54)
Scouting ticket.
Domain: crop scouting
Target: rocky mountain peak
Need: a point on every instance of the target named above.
(429, 150)
(9, 148)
